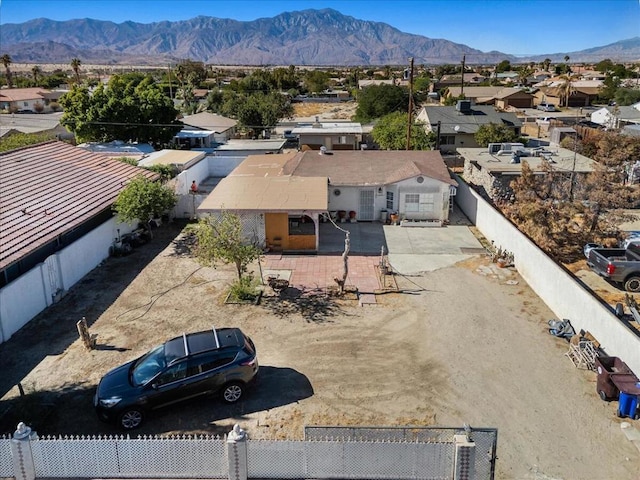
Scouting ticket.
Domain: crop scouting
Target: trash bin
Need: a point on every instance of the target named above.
(383, 216)
(606, 368)
(628, 405)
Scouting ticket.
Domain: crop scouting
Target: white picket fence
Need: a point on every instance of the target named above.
(26, 457)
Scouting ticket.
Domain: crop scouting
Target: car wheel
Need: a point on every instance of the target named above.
(632, 284)
(131, 419)
(603, 396)
(232, 392)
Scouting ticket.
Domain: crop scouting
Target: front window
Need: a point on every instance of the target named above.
(412, 202)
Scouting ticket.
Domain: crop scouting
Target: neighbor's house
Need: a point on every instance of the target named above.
(35, 123)
(119, 149)
(492, 169)
(56, 223)
(369, 83)
(617, 117)
(330, 135)
(449, 81)
(281, 198)
(33, 100)
(503, 98)
(583, 93)
(457, 125)
(205, 129)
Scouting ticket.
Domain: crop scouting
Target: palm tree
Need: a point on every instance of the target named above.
(36, 71)
(566, 88)
(6, 61)
(75, 65)
(546, 62)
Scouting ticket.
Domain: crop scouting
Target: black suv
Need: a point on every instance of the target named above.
(184, 367)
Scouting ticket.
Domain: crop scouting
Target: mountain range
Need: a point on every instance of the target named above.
(308, 37)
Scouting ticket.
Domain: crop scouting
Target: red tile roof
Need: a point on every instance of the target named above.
(50, 189)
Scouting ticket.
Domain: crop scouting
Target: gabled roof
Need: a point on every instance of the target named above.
(469, 122)
(369, 167)
(509, 91)
(209, 121)
(49, 189)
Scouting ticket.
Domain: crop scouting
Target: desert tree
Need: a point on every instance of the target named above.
(494, 133)
(143, 199)
(390, 133)
(221, 238)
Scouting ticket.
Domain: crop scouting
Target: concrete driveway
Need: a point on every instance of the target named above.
(424, 249)
(410, 250)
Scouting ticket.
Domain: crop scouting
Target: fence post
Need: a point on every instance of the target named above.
(236, 454)
(464, 458)
(23, 466)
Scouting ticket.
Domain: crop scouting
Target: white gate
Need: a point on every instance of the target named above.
(53, 277)
(366, 205)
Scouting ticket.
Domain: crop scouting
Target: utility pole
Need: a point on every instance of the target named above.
(462, 81)
(410, 103)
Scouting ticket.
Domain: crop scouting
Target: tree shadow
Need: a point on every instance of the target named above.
(53, 330)
(184, 244)
(314, 306)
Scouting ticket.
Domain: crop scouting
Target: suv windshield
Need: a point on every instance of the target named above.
(149, 366)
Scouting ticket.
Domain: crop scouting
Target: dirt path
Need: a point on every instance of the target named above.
(457, 346)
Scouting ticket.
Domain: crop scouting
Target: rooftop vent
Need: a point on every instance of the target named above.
(463, 106)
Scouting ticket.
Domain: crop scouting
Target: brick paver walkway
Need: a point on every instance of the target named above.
(309, 272)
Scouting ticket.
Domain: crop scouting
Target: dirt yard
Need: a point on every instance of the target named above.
(326, 111)
(456, 345)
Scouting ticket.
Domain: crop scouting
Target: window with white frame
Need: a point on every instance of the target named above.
(412, 202)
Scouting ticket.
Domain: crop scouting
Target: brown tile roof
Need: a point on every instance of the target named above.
(369, 167)
(50, 189)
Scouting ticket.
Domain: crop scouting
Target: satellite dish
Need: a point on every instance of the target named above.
(457, 128)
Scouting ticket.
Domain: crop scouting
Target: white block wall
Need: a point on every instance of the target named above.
(562, 293)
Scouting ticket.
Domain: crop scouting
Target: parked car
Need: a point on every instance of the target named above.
(214, 361)
(618, 265)
(547, 107)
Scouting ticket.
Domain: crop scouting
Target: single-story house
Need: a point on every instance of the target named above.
(56, 225)
(32, 100)
(494, 168)
(458, 124)
(282, 198)
(501, 97)
(331, 135)
(614, 117)
(223, 128)
(368, 83)
(583, 92)
(470, 78)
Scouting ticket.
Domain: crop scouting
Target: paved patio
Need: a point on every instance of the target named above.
(409, 250)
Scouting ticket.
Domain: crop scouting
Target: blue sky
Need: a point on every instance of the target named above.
(517, 27)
